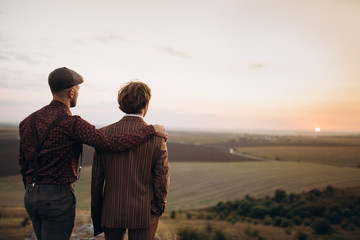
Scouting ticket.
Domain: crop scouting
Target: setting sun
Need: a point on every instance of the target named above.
(317, 129)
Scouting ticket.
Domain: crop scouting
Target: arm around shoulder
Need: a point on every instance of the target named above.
(86, 133)
(160, 131)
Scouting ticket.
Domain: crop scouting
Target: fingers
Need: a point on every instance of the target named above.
(160, 131)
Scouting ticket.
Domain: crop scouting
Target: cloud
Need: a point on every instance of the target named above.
(20, 79)
(25, 58)
(259, 66)
(175, 52)
(106, 39)
(3, 56)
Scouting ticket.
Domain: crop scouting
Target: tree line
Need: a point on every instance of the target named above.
(317, 209)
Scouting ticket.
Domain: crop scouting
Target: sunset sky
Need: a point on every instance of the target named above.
(211, 65)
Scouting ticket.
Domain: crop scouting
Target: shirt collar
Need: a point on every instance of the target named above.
(133, 115)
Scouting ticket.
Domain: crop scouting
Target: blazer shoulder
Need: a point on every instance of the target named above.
(108, 128)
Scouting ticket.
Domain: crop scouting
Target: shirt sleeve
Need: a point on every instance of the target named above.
(97, 184)
(86, 133)
(161, 180)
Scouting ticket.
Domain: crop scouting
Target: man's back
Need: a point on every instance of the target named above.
(136, 181)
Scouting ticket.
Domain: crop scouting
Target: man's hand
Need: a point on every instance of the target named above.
(160, 131)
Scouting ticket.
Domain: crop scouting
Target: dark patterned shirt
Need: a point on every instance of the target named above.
(59, 155)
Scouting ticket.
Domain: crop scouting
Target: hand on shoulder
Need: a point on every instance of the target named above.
(160, 131)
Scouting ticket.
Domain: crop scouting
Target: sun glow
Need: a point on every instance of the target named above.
(317, 129)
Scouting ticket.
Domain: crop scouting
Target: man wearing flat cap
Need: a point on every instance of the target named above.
(50, 147)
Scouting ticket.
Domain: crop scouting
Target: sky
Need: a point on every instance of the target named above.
(212, 65)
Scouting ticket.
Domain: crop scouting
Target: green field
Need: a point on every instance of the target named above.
(197, 185)
(302, 163)
(346, 156)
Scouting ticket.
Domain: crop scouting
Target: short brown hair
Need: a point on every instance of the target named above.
(133, 97)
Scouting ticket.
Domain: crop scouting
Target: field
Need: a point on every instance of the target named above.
(328, 155)
(203, 172)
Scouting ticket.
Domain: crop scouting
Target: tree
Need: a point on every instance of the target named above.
(321, 226)
(280, 195)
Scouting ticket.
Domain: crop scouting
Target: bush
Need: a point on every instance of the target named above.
(191, 234)
(276, 209)
(347, 213)
(244, 207)
(285, 223)
(231, 220)
(250, 232)
(206, 234)
(258, 211)
(253, 233)
(220, 235)
(297, 220)
(267, 220)
(321, 226)
(329, 189)
(277, 221)
(314, 193)
(210, 217)
(25, 222)
(188, 215)
(293, 197)
(345, 224)
(334, 217)
(351, 227)
(209, 228)
(307, 221)
(355, 220)
(173, 214)
(301, 236)
(280, 195)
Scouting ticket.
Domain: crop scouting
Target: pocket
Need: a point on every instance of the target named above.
(60, 205)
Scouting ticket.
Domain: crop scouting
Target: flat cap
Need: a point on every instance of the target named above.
(62, 78)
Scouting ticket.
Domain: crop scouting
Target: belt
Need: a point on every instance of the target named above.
(48, 187)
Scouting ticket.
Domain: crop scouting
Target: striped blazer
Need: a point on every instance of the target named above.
(127, 187)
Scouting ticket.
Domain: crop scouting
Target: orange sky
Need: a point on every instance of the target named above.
(223, 64)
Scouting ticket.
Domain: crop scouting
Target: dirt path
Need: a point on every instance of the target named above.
(232, 151)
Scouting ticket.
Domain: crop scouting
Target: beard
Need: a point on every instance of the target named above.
(74, 100)
(72, 103)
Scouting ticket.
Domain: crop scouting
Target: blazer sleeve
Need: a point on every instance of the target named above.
(161, 179)
(97, 184)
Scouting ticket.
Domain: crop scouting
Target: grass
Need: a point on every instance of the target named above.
(347, 156)
(10, 223)
(198, 184)
(249, 229)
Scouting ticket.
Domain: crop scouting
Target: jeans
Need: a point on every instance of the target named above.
(51, 209)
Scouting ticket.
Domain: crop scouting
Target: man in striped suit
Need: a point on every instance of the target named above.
(129, 189)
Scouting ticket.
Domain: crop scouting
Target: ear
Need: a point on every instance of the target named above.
(71, 93)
